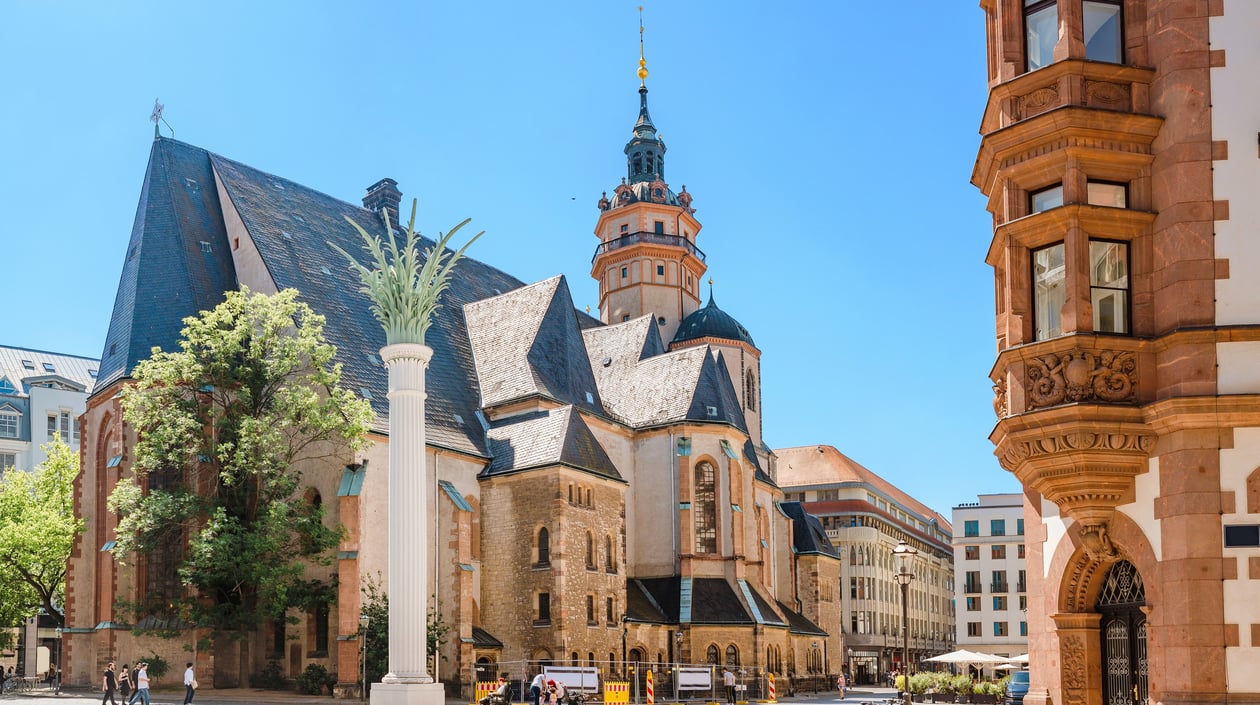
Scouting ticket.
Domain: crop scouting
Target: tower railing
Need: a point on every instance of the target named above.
(649, 238)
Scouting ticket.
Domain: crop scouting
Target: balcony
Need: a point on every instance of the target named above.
(999, 587)
(971, 587)
(648, 238)
(1021, 586)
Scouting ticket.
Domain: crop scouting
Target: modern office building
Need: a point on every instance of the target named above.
(1119, 159)
(990, 581)
(865, 517)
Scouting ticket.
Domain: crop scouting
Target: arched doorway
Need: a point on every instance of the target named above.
(1123, 632)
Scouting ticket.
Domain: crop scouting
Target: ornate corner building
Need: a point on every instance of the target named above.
(1119, 159)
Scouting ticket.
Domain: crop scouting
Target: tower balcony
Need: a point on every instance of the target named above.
(648, 238)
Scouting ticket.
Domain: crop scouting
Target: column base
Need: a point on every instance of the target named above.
(408, 694)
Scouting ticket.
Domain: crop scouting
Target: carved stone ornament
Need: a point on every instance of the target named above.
(1081, 375)
(1038, 101)
(1075, 441)
(1000, 405)
(1098, 544)
(1105, 94)
(1073, 654)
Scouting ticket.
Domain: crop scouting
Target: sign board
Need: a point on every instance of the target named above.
(695, 679)
(582, 679)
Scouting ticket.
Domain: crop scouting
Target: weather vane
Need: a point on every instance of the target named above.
(156, 116)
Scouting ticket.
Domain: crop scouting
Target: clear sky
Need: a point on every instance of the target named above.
(828, 146)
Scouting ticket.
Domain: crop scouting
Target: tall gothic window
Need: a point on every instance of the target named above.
(705, 509)
(750, 392)
(544, 547)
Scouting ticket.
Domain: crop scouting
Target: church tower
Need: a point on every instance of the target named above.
(647, 261)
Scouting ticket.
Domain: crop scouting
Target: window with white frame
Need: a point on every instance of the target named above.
(7, 460)
(9, 423)
(65, 425)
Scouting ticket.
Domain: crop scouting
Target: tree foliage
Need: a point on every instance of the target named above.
(37, 531)
(224, 425)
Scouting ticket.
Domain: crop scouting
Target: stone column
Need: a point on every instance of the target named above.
(408, 681)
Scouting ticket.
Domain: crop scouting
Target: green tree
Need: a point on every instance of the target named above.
(37, 531)
(223, 426)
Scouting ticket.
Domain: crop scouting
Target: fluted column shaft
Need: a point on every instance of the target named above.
(408, 530)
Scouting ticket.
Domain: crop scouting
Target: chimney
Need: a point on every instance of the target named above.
(384, 194)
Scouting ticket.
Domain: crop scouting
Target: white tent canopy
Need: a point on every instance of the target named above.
(1022, 658)
(965, 657)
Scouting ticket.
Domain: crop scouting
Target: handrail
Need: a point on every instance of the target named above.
(649, 238)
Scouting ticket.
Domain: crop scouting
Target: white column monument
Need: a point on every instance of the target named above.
(405, 294)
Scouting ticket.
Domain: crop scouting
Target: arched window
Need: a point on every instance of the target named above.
(575, 659)
(750, 391)
(713, 654)
(314, 498)
(590, 551)
(544, 547)
(705, 509)
(732, 655)
(610, 559)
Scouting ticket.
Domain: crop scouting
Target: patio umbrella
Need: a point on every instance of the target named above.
(965, 658)
(1022, 658)
(1006, 667)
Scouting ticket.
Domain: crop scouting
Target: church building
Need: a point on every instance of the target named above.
(603, 493)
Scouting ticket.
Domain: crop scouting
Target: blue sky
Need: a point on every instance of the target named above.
(828, 146)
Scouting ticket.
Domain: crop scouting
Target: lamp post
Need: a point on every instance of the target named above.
(625, 619)
(363, 626)
(57, 666)
(903, 561)
(852, 669)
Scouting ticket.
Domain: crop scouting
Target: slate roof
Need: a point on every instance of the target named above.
(808, 534)
(528, 342)
(483, 639)
(712, 322)
(641, 385)
(168, 274)
(543, 438)
(799, 623)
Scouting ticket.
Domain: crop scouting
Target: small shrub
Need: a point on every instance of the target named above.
(920, 682)
(158, 667)
(270, 678)
(960, 684)
(313, 680)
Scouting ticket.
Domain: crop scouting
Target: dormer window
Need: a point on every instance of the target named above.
(6, 387)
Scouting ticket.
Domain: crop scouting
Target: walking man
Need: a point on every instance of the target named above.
(190, 684)
(728, 682)
(108, 685)
(142, 684)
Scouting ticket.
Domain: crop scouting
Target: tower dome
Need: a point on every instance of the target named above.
(712, 322)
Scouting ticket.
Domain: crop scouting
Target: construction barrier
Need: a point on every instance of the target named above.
(651, 690)
(485, 688)
(770, 688)
(616, 692)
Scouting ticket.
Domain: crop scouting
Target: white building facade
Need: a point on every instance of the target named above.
(991, 583)
(42, 395)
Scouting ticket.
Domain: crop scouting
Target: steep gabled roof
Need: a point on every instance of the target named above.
(546, 438)
(168, 273)
(808, 534)
(642, 385)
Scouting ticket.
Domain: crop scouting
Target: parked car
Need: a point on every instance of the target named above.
(1016, 688)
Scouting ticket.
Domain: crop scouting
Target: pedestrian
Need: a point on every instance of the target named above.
(190, 684)
(142, 684)
(536, 687)
(842, 685)
(728, 683)
(124, 682)
(108, 683)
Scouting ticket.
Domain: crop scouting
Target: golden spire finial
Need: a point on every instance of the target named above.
(643, 72)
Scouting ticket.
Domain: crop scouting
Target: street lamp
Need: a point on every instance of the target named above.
(363, 627)
(852, 668)
(625, 619)
(903, 561)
